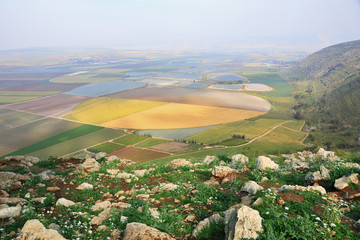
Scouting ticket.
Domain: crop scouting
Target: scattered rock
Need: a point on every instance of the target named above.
(352, 165)
(101, 205)
(141, 231)
(263, 162)
(84, 186)
(125, 175)
(14, 200)
(9, 212)
(140, 173)
(100, 155)
(97, 220)
(327, 155)
(154, 212)
(54, 226)
(167, 186)
(120, 205)
(343, 182)
(239, 158)
(179, 163)
(3, 193)
(90, 165)
(40, 200)
(52, 189)
(25, 160)
(301, 188)
(47, 175)
(222, 171)
(297, 164)
(190, 218)
(34, 229)
(112, 158)
(206, 223)
(242, 223)
(251, 187)
(64, 202)
(324, 173)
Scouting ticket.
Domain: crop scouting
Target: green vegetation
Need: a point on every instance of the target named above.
(150, 142)
(60, 138)
(327, 93)
(107, 147)
(178, 133)
(76, 144)
(130, 139)
(249, 128)
(296, 125)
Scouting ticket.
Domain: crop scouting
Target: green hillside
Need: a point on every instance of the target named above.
(327, 94)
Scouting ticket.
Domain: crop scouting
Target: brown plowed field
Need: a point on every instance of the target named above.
(56, 105)
(172, 147)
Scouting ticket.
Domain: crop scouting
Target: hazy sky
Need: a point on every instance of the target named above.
(178, 23)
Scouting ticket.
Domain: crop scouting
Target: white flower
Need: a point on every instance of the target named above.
(318, 219)
(332, 224)
(267, 213)
(286, 208)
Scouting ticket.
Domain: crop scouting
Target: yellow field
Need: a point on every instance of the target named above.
(100, 110)
(176, 115)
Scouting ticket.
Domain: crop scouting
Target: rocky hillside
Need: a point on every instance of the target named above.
(327, 91)
(297, 196)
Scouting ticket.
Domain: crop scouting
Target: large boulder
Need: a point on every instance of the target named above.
(9, 212)
(327, 155)
(141, 231)
(298, 164)
(90, 165)
(11, 181)
(47, 175)
(344, 181)
(100, 155)
(223, 171)
(208, 160)
(101, 205)
(263, 163)
(25, 160)
(239, 158)
(34, 229)
(324, 173)
(242, 223)
(206, 223)
(251, 187)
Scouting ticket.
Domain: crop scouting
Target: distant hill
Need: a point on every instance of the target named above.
(327, 93)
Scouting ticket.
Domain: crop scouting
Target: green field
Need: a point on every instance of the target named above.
(249, 128)
(107, 147)
(60, 138)
(11, 119)
(26, 93)
(76, 144)
(178, 133)
(296, 125)
(151, 142)
(14, 99)
(130, 139)
(281, 86)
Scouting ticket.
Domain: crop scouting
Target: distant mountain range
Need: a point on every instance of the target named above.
(327, 92)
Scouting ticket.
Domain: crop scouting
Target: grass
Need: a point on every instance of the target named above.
(281, 86)
(249, 128)
(60, 138)
(10, 119)
(76, 144)
(296, 125)
(178, 133)
(175, 115)
(100, 110)
(151, 142)
(130, 139)
(107, 147)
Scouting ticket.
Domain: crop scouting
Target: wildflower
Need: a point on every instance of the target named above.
(286, 208)
(332, 225)
(267, 213)
(317, 219)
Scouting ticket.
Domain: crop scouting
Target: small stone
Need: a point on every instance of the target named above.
(52, 189)
(251, 187)
(263, 162)
(101, 206)
(64, 202)
(84, 186)
(343, 182)
(222, 171)
(179, 163)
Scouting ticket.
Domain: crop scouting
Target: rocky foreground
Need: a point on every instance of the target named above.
(296, 196)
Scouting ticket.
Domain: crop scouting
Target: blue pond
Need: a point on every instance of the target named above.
(104, 88)
(186, 75)
(195, 85)
(229, 78)
(230, 87)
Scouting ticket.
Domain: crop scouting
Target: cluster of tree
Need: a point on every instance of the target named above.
(188, 141)
(238, 136)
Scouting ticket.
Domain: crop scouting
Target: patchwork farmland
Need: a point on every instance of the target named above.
(143, 109)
